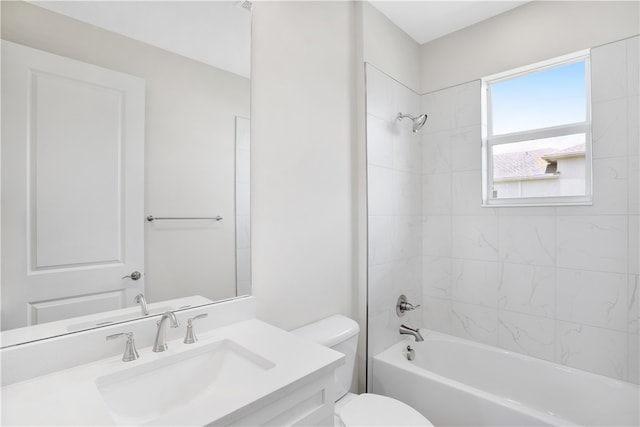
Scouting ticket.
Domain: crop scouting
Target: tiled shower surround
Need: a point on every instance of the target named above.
(556, 283)
(394, 174)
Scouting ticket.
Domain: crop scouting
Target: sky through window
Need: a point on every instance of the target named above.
(542, 99)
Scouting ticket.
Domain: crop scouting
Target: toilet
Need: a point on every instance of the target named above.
(341, 334)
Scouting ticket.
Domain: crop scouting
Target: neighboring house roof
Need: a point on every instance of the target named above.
(573, 151)
(531, 164)
(520, 164)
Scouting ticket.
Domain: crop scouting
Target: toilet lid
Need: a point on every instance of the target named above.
(374, 410)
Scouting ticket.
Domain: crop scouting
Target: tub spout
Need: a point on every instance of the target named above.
(405, 330)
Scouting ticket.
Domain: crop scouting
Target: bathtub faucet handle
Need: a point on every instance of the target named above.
(407, 306)
(403, 305)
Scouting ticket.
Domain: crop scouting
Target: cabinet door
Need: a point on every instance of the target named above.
(72, 187)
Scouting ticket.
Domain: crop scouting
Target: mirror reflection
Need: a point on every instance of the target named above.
(116, 113)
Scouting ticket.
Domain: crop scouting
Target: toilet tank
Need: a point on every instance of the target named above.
(341, 334)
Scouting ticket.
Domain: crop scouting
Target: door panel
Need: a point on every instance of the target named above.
(76, 170)
(63, 308)
(72, 186)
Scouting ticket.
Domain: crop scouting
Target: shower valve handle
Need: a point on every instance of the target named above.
(407, 306)
(403, 306)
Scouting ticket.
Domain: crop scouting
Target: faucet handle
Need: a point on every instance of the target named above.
(130, 352)
(407, 306)
(403, 305)
(191, 337)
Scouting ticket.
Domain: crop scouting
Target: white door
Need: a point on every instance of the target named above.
(72, 187)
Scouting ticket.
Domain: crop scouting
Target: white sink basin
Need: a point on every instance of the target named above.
(147, 391)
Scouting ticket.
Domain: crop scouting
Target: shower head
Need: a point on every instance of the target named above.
(418, 122)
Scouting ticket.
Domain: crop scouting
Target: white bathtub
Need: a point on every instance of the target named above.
(453, 381)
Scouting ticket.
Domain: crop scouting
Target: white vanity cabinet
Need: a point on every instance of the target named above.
(310, 404)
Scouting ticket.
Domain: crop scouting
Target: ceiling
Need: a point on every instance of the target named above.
(428, 20)
(218, 32)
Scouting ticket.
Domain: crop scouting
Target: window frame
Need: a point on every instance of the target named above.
(489, 140)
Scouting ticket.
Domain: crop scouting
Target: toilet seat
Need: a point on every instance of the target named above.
(375, 410)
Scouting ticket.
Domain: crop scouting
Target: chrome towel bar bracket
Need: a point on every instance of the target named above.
(151, 218)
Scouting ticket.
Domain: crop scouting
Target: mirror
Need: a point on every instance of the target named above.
(174, 76)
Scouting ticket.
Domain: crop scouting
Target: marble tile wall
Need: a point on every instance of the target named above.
(394, 173)
(557, 283)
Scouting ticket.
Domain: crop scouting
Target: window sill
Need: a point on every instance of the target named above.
(517, 203)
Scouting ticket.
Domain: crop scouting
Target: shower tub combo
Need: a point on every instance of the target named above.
(453, 381)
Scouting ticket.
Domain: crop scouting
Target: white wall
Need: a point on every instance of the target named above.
(189, 146)
(560, 284)
(243, 206)
(389, 48)
(531, 33)
(302, 167)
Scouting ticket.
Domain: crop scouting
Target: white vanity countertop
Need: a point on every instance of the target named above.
(71, 397)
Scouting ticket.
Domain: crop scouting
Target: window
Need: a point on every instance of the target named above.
(536, 134)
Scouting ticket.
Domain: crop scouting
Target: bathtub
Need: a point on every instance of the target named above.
(453, 381)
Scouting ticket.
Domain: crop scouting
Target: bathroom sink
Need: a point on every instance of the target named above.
(242, 373)
(148, 391)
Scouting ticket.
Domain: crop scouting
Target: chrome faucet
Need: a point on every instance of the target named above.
(405, 330)
(139, 299)
(161, 335)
